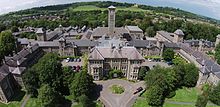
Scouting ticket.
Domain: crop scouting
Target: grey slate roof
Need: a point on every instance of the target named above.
(195, 43)
(4, 71)
(130, 53)
(142, 43)
(111, 7)
(203, 59)
(166, 35)
(179, 32)
(100, 31)
(171, 45)
(134, 28)
(40, 31)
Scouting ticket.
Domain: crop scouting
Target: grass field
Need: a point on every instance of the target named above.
(185, 95)
(91, 7)
(182, 95)
(116, 89)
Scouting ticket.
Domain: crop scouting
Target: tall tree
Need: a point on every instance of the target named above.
(214, 95)
(49, 97)
(217, 53)
(7, 44)
(31, 82)
(50, 71)
(168, 54)
(142, 73)
(82, 85)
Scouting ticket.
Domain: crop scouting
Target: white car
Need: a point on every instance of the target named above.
(67, 59)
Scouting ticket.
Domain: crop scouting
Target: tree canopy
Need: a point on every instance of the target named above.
(214, 95)
(168, 54)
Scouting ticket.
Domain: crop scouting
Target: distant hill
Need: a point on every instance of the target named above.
(105, 4)
(93, 14)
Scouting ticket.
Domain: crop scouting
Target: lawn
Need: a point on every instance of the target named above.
(116, 89)
(91, 7)
(185, 95)
(182, 95)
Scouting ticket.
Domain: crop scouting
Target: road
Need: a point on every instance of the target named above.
(126, 99)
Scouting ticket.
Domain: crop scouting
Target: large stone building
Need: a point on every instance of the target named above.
(104, 59)
(12, 69)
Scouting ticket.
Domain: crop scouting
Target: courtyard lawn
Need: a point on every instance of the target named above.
(182, 95)
(33, 102)
(91, 7)
(116, 89)
(185, 95)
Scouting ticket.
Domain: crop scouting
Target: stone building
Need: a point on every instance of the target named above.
(104, 59)
(12, 69)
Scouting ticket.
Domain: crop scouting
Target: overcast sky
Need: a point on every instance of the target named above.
(210, 8)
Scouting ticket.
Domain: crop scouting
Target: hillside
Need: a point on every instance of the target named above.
(94, 14)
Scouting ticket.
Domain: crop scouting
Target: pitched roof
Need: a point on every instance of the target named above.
(134, 28)
(124, 52)
(179, 32)
(40, 31)
(166, 35)
(100, 31)
(142, 43)
(4, 71)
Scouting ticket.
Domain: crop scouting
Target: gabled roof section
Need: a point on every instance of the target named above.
(96, 55)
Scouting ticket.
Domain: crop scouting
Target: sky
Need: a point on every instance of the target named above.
(210, 8)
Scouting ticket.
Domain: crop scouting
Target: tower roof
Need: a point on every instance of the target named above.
(40, 30)
(179, 32)
(112, 7)
(218, 36)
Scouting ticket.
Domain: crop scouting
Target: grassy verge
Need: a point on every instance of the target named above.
(116, 89)
(182, 95)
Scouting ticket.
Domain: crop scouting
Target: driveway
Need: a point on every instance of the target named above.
(125, 99)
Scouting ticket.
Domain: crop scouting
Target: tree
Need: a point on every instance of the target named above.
(68, 77)
(14, 29)
(202, 99)
(168, 54)
(85, 101)
(82, 85)
(142, 73)
(214, 95)
(31, 82)
(191, 75)
(7, 44)
(155, 96)
(50, 71)
(48, 96)
(217, 53)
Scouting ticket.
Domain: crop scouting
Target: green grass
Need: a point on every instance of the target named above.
(182, 95)
(91, 7)
(185, 95)
(33, 102)
(116, 89)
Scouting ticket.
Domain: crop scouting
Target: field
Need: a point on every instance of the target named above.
(91, 7)
(184, 98)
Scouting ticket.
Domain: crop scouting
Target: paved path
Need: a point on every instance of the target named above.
(25, 100)
(126, 99)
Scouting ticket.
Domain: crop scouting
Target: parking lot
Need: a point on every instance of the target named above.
(76, 64)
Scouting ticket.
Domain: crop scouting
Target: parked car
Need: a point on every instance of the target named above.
(67, 59)
(139, 89)
(77, 68)
(170, 63)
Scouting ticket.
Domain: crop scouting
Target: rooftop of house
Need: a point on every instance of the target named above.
(134, 28)
(100, 53)
(100, 31)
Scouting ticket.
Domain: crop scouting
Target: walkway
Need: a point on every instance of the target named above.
(25, 100)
